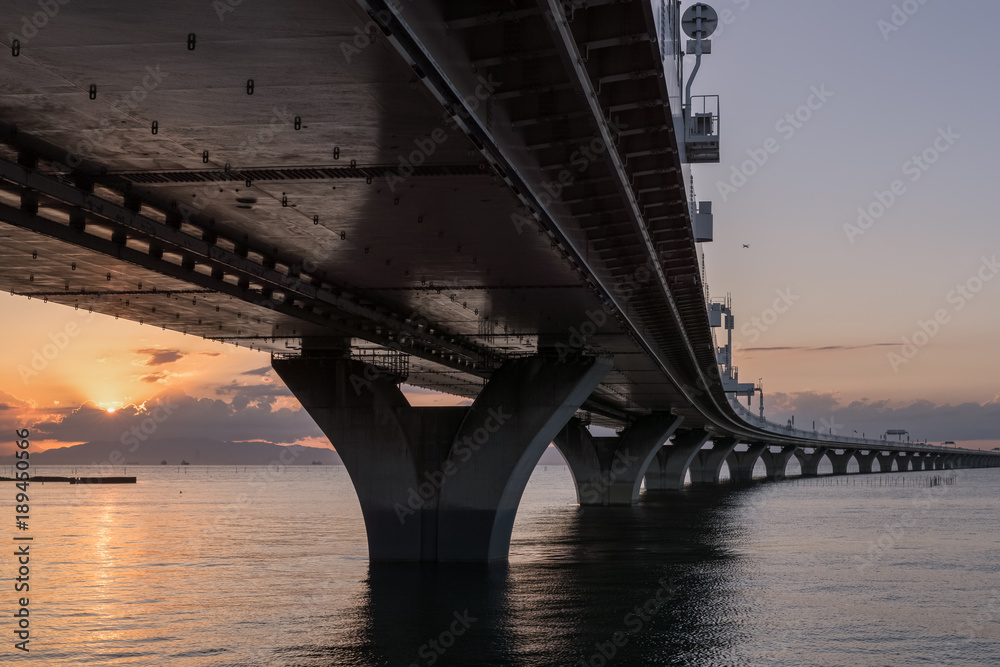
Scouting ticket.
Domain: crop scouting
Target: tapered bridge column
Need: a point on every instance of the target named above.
(904, 460)
(810, 462)
(741, 464)
(670, 464)
(938, 460)
(917, 459)
(865, 461)
(885, 460)
(609, 471)
(440, 483)
(706, 466)
(776, 463)
(840, 461)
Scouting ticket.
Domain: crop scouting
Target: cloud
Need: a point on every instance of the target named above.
(809, 348)
(158, 357)
(263, 370)
(11, 401)
(923, 419)
(155, 377)
(260, 395)
(188, 417)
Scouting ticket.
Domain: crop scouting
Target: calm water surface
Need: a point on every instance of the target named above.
(229, 566)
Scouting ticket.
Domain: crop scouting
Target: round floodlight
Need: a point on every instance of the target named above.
(709, 21)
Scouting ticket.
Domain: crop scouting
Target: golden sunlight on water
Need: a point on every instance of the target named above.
(199, 566)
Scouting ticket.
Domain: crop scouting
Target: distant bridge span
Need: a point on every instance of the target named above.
(485, 198)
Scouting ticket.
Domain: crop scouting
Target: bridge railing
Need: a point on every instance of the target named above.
(756, 420)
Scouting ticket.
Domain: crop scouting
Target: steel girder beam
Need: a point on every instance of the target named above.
(166, 238)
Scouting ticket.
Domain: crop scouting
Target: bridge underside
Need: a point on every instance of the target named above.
(451, 192)
(341, 199)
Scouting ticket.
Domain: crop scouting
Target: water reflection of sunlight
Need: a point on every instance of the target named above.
(103, 567)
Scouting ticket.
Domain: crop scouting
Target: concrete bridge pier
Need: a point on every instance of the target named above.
(865, 461)
(810, 462)
(608, 471)
(775, 463)
(706, 466)
(937, 462)
(741, 464)
(440, 483)
(906, 462)
(840, 461)
(885, 460)
(667, 469)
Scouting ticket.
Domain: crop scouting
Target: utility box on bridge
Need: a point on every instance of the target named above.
(703, 222)
(715, 312)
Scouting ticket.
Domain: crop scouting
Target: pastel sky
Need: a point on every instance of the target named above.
(848, 292)
(886, 87)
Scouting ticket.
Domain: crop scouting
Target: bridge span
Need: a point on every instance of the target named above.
(484, 198)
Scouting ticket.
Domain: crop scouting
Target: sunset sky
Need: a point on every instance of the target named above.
(791, 188)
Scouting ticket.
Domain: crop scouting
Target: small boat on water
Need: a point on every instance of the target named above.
(184, 463)
(163, 462)
(317, 463)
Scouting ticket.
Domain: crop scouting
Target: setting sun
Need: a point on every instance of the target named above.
(111, 410)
